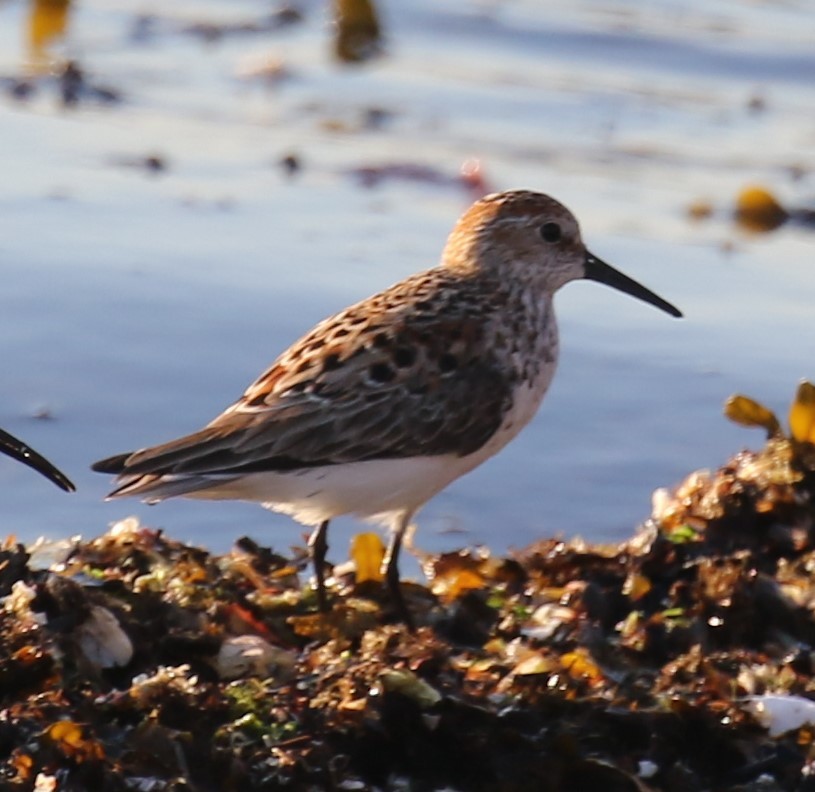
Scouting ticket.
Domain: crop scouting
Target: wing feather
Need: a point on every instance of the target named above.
(406, 373)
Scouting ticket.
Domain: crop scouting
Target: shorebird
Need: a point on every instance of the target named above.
(18, 450)
(383, 405)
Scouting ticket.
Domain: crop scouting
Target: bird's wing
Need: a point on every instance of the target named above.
(404, 373)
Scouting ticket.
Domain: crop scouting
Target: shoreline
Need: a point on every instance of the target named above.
(670, 661)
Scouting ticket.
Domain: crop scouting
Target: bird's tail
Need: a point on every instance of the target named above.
(153, 488)
(114, 464)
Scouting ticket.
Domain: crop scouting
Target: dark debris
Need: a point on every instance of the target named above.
(69, 81)
(132, 661)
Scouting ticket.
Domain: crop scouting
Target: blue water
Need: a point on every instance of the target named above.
(135, 307)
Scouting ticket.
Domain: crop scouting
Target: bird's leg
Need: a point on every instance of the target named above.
(318, 545)
(391, 564)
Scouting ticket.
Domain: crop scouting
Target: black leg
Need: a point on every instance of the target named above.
(391, 563)
(318, 545)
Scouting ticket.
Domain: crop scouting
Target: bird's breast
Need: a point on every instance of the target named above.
(529, 362)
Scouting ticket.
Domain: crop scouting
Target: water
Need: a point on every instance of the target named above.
(135, 307)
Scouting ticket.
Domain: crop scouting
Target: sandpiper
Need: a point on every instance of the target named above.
(18, 450)
(383, 405)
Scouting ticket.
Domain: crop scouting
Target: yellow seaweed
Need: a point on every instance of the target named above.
(802, 414)
(748, 412)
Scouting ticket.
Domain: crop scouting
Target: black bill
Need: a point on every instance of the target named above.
(598, 270)
(18, 450)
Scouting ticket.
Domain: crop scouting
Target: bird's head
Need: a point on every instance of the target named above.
(530, 238)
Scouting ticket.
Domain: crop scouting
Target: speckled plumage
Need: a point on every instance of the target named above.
(382, 405)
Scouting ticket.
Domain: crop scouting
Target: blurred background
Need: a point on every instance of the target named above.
(187, 187)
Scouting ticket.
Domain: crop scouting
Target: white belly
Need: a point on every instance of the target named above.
(380, 488)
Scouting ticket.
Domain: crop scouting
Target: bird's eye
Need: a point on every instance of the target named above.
(550, 232)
